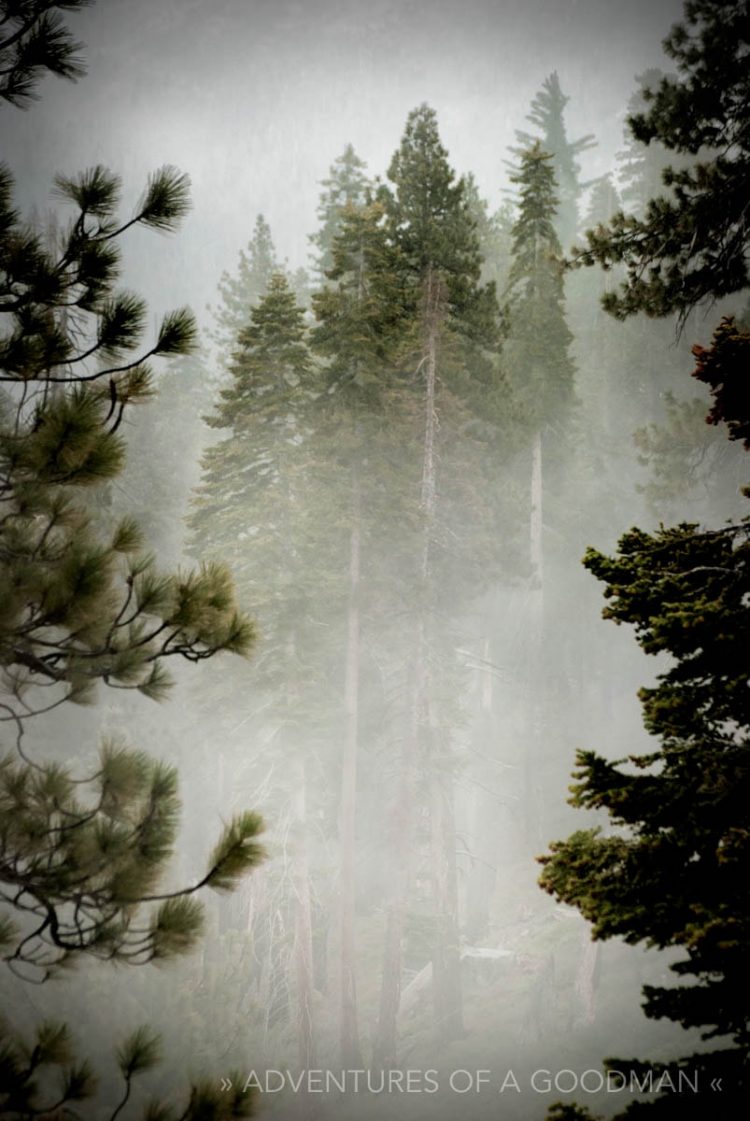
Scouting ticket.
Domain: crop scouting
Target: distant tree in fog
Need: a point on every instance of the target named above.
(346, 185)
(244, 291)
(547, 114)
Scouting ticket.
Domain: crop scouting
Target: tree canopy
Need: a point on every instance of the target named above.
(685, 248)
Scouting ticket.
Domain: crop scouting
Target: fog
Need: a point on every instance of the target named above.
(256, 100)
(377, 852)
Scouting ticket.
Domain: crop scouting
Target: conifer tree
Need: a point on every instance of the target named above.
(82, 859)
(493, 234)
(671, 873)
(346, 185)
(453, 318)
(547, 114)
(358, 333)
(35, 41)
(243, 291)
(686, 248)
(255, 506)
(541, 375)
(538, 338)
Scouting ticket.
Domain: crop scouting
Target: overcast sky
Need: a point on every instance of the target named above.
(256, 98)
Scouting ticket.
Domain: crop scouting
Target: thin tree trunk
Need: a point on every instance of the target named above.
(303, 932)
(351, 1057)
(536, 682)
(385, 1049)
(587, 976)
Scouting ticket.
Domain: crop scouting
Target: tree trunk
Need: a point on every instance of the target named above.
(446, 964)
(535, 678)
(351, 1057)
(303, 955)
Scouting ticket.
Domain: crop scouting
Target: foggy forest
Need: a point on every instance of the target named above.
(374, 583)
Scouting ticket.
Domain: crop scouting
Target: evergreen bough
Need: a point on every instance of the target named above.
(81, 859)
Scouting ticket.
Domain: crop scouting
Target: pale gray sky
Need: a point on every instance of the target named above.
(255, 99)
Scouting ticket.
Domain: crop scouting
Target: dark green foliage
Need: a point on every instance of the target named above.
(691, 243)
(538, 338)
(35, 40)
(361, 316)
(430, 223)
(82, 857)
(43, 1079)
(104, 845)
(254, 479)
(547, 114)
(672, 873)
(80, 606)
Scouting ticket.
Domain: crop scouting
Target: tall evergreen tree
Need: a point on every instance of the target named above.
(547, 115)
(358, 332)
(541, 374)
(538, 336)
(672, 873)
(346, 185)
(243, 291)
(256, 506)
(493, 234)
(453, 317)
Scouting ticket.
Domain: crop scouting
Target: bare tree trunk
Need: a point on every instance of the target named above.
(420, 744)
(446, 960)
(586, 977)
(385, 1049)
(351, 1057)
(533, 768)
(303, 932)
(446, 964)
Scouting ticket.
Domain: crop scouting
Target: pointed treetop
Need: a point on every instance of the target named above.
(547, 115)
(243, 291)
(270, 360)
(346, 185)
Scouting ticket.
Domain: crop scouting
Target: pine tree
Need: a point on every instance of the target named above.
(35, 41)
(452, 319)
(671, 871)
(541, 375)
(538, 336)
(686, 248)
(256, 507)
(493, 233)
(346, 185)
(82, 858)
(243, 291)
(547, 114)
(358, 332)
(604, 201)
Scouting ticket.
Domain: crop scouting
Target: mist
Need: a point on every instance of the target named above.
(430, 652)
